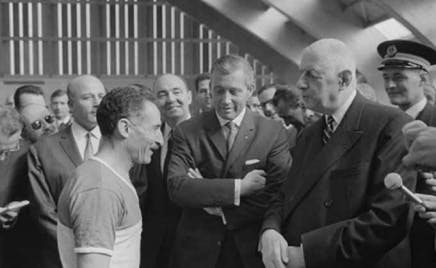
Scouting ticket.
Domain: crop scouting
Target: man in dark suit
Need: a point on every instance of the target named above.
(334, 210)
(54, 158)
(405, 67)
(224, 167)
(159, 215)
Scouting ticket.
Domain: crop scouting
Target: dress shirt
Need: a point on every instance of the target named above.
(79, 134)
(415, 109)
(339, 114)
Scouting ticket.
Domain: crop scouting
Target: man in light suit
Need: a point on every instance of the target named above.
(54, 158)
(334, 210)
(224, 167)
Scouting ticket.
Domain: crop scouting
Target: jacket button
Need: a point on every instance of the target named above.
(328, 203)
(218, 243)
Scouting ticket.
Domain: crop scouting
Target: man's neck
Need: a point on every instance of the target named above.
(115, 155)
(173, 122)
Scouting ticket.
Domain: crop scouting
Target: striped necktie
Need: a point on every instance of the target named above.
(88, 149)
(329, 128)
(230, 134)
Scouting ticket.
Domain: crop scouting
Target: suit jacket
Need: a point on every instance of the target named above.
(200, 143)
(334, 201)
(422, 235)
(159, 214)
(51, 162)
(16, 247)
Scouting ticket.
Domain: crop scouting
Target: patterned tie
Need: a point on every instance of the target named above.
(328, 128)
(88, 149)
(231, 131)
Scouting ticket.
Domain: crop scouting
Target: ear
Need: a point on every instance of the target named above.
(123, 127)
(345, 77)
(424, 78)
(189, 92)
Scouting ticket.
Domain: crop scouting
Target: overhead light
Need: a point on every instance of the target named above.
(393, 29)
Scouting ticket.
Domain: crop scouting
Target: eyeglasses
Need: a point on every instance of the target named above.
(49, 119)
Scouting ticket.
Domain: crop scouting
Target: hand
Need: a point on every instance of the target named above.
(422, 152)
(430, 181)
(253, 181)
(8, 218)
(411, 131)
(428, 211)
(273, 247)
(215, 211)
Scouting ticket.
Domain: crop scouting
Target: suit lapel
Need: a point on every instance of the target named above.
(69, 146)
(318, 160)
(215, 134)
(243, 139)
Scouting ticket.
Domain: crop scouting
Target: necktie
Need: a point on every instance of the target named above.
(88, 149)
(232, 130)
(328, 128)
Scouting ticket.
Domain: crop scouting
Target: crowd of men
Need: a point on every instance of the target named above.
(279, 176)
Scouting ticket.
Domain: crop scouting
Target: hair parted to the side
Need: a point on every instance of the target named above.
(26, 89)
(10, 121)
(199, 78)
(122, 102)
(231, 63)
(58, 93)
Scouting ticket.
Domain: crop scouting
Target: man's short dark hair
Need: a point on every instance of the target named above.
(58, 93)
(265, 87)
(199, 78)
(26, 89)
(287, 94)
(119, 103)
(10, 121)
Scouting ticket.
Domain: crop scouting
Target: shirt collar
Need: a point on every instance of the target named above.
(79, 131)
(339, 114)
(415, 109)
(237, 120)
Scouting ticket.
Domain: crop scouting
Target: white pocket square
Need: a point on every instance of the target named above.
(252, 162)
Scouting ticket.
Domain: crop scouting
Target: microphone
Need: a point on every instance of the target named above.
(393, 181)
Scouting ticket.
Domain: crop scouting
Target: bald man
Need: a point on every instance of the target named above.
(334, 210)
(38, 122)
(52, 159)
(159, 215)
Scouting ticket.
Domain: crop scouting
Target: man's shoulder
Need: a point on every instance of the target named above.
(386, 114)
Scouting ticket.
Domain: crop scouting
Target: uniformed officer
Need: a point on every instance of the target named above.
(405, 67)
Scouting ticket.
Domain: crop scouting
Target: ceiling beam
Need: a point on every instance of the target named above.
(263, 33)
(417, 16)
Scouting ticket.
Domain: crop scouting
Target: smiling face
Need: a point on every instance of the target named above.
(404, 87)
(173, 97)
(145, 135)
(230, 93)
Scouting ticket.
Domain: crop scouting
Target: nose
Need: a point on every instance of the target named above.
(227, 97)
(159, 139)
(389, 83)
(301, 83)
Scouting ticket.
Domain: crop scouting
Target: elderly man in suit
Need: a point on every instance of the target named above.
(334, 210)
(54, 158)
(405, 68)
(225, 166)
(159, 215)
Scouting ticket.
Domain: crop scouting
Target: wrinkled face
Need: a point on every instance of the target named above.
(28, 98)
(9, 144)
(204, 96)
(84, 103)
(38, 122)
(173, 97)
(59, 106)
(230, 93)
(404, 87)
(253, 104)
(319, 83)
(266, 98)
(145, 135)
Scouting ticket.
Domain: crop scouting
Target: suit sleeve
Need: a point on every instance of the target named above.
(384, 222)
(194, 193)
(253, 208)
(43, 207)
